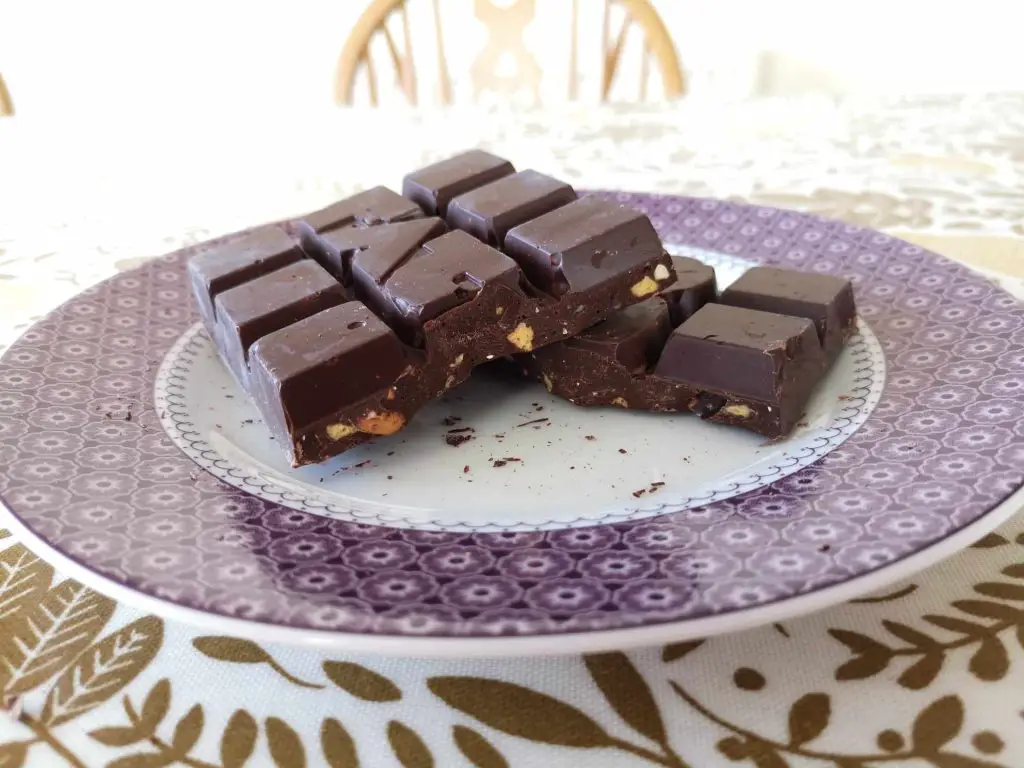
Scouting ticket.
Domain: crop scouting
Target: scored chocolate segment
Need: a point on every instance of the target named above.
(695, 285)
(369, 208)
(760, 366)
(305, 376)
(581, 245)
(633, 337)
(226, 266)
(490, 211)
(825, 300)
(366, 256)
(445, 273)
(259, 307)
(433, 187)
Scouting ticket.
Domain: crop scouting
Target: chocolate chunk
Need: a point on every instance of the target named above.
(825, 300)
(433, 187)
(378, 205)
(225, 266)
(694, 286)
(447, 272)
(367, 256)
(765, 365)
(582, 244)
(250, 311)
(490, 211)
(633, 337)
(305, 378)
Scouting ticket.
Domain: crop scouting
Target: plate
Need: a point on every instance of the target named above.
(130, 459)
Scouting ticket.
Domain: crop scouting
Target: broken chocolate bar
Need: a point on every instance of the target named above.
(725, 363)
(414, 308)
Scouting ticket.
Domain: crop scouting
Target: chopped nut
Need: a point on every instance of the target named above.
(644, 287)
(391, 394)
(548, 383)
(621, 402)
(739, 411)
(521, 337)
(458, 361)
(386, 423)
(499, 311)
(449, 382)
(661, 272)
(338, 431)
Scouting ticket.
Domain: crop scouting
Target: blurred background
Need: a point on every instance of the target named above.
(107, 57)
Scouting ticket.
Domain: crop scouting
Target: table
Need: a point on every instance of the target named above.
(909, 677)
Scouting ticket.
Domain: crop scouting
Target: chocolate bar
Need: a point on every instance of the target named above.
(385, 314)
(751, 360)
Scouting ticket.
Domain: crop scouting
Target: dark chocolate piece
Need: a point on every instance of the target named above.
(825, 300)
(433, 187)
(727, 364)
(578, 246)
(633, 338)
(306, 377)
(378, 205)
(445, 273)
(367, 256)
(694, 286)
(224, 266)
(490, 211)
(250, 311)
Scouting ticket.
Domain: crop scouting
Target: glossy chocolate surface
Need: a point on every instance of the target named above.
(490, 211)
(259, 307)
(582, 244)
(378, 205)
(825, 300)
(223, 267)
(695, 285)
(433, 187)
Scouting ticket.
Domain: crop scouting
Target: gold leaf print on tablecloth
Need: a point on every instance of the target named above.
(337, 745)
(679, 650)
(239, 739)
(102, 670)
(899, 594)
(408, 746)
(43, 639)
(361, 682)
(24, 578)
(237, 651)
(285, 745)
(808, 718)
(13, 755)
(990, 660)
(628, 693)
(478, 750)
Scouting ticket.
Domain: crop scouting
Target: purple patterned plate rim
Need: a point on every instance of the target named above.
(932, 468)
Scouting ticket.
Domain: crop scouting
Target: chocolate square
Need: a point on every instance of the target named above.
(695, 285)
(490, 211)
(633, 337)
(224, 266)
(584, 244)
(433, 187)
(825, 300)
(445, 273)
(369, 208)
(303, 375)
(250, 311)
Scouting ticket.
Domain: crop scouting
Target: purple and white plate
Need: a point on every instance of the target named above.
(130, 459)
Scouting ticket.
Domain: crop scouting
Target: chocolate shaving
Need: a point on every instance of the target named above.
(455, 440)
(534, 421)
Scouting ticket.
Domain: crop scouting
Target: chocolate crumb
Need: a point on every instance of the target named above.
(460, 429)
(589, 437)
(657, 484)
(622, 450)
(512, 458)
(465, 469)
(391, 453)
(500, 437)
(638, 494)
(248, 421)
(540, 407)
(499, 463)
(845, 397)
(391, 477)
(450, 421)
(362, 463)
(825, 548)
(534, 421)
(455, 440)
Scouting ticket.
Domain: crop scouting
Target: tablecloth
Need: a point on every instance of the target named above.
(930, 672)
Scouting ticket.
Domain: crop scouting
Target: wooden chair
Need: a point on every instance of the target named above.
(6, 104)
(389, 20)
